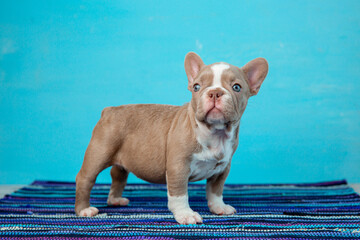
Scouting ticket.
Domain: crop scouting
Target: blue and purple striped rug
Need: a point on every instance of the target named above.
(44, 210)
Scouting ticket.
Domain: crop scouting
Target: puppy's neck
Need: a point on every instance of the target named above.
(206, 131)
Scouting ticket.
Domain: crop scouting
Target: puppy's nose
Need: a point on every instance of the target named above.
(215, 93)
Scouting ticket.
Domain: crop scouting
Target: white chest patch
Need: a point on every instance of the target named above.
(215, 155)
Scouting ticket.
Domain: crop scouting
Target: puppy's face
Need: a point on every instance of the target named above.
(220, 91)
(220, 94)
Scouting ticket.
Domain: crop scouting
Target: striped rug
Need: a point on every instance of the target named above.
(45, 209)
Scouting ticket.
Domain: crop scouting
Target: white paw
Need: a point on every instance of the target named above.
(119, 201)
(222, 209)
(89, 212)
(188, 216)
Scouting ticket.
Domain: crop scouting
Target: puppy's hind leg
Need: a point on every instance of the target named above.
(95, 160)
(119, 177)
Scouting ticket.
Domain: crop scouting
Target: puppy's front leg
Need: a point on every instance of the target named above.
(214, 194)
(178, 200)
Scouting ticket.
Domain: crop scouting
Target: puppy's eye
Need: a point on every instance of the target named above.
(196, 87)
(236, 88)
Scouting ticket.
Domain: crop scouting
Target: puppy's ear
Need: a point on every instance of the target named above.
(193, 64)
(256, 71)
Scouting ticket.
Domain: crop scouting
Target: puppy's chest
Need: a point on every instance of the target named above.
(212, 160)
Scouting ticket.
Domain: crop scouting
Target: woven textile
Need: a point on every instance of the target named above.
(45, 210)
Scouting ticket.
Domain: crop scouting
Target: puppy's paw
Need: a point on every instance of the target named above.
(117, 201)
(188, 216)
(222, 209)
(89, 212)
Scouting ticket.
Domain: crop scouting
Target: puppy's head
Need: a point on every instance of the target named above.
(220, 91)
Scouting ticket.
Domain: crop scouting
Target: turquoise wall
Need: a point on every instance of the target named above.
(62, 62)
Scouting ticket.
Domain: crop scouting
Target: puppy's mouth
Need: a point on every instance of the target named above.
(215, 116)
(216, 122)
(214, 113)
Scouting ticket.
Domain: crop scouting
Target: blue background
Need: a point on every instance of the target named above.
(62, 62)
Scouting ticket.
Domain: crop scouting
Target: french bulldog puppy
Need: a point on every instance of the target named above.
(174, 144)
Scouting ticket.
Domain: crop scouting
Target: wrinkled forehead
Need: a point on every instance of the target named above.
(220, 73)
